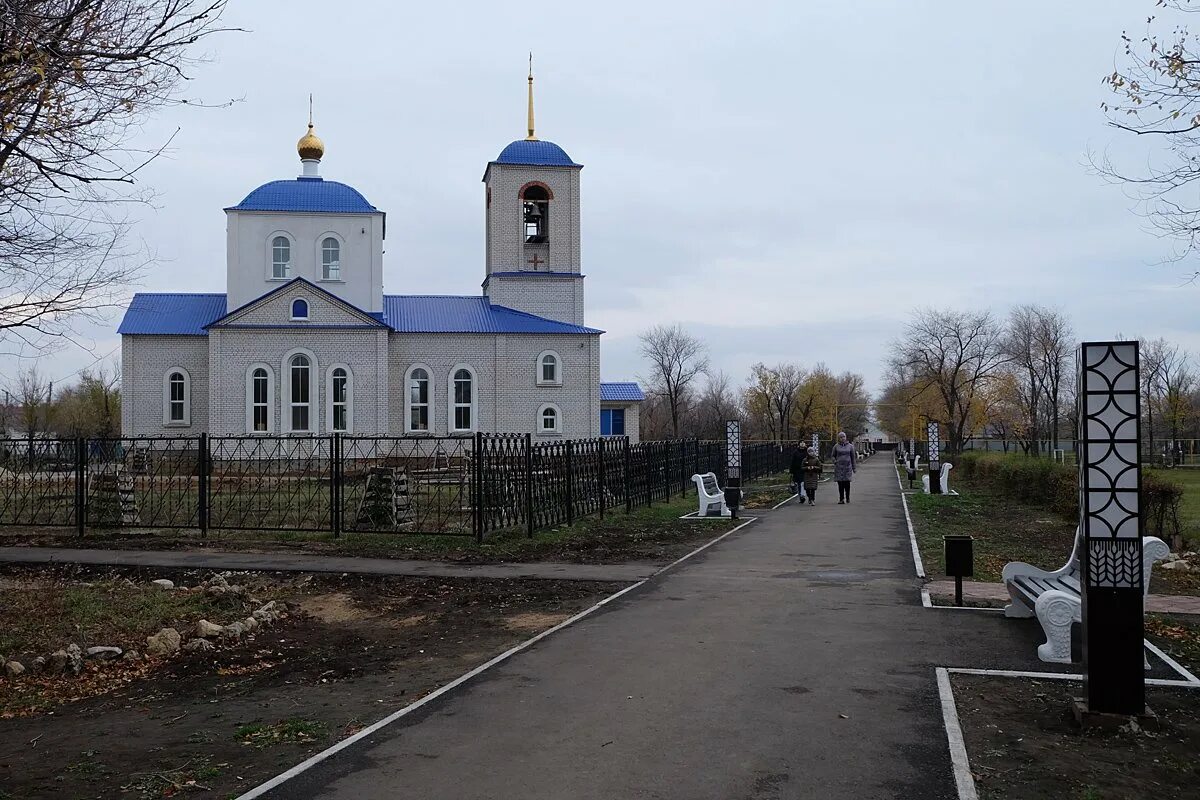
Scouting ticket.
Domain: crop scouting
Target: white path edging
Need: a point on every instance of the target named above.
(303, 766)
(963, 779)
(912, 536)
(1059, 676)
(785, 502)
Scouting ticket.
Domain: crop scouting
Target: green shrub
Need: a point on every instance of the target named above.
(1052, 485)
(1161, 499)
(1040, 481)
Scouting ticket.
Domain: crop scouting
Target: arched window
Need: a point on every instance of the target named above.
(260, 399)
(549, 369)
(417, 399)
(300, 308)
(462, 399)
(299, 369)
(549, 420)
(535, 209)
(340, 417)
(281, 257)
(177, 397)
(331, 259)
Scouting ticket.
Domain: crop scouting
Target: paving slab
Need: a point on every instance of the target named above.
(981, 591)
(791, 660)
(296, 562)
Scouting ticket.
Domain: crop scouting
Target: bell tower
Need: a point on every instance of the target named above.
(531, 197)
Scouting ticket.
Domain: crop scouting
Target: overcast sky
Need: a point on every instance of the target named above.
(788, 180)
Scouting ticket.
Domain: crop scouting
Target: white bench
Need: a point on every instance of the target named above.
(1054, 597)
(710, 496)
(943, 478)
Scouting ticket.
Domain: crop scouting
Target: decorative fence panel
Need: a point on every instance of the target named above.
(459, 486)
(270, 483)
(39, 482)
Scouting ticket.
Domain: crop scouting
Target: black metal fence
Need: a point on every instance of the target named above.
(461, 486)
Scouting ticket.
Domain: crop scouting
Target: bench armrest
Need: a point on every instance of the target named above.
(1154, 549)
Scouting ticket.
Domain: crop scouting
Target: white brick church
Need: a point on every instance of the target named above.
(305, 342)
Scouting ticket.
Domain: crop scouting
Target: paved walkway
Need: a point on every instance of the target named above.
(981, 592)
(792, 660)
(297, 562)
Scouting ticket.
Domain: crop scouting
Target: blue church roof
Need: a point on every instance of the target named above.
(536, 153)
(188, 314)
(617, 392)
(455, 314)
(306, 194)
(178, 314)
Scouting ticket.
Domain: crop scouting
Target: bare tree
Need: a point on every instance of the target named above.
(676, 359)
(34, 397)
(775, 389)
(955, 354)
(717, 403)
(1038, 345)
(1157, 90)
(77, 78)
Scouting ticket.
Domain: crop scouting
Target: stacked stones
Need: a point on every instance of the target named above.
(168, 641)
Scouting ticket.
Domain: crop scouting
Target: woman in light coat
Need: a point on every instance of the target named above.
(845, 463)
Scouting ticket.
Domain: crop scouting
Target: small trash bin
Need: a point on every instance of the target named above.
(958, 557)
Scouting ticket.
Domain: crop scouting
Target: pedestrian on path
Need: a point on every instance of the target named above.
(797, 470)
(845, 463)
(812, 474)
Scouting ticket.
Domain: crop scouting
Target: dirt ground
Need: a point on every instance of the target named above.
(1023, 744)
(353, 649)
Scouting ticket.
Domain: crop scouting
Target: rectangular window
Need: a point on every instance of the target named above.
(260, 403)
(618, 422)
(177, 400)
(606, 422)
(462, 418)
(418, 401)
(300, 398)
(340, 413)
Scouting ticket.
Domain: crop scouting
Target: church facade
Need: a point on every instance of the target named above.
(305, 342)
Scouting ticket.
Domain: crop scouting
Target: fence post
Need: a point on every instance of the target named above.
(647, 474)
(666, 472)
(477, 487)
(529, 485)
(601, 475)
(202, 483)
(570, 486)
(80, 484)
(335, 484)
(628, 483)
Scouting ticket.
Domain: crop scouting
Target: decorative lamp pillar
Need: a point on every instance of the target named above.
(816, 445)
(733, 466)
(912, 454)
(1110, 522)
(935, 457)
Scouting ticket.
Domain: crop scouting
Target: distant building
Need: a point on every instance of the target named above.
(305, 342)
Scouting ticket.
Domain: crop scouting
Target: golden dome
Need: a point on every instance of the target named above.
(310, 146)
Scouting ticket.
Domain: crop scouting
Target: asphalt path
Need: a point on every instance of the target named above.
(791, 660)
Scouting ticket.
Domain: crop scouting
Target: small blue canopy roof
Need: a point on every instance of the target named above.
(620, 392)
(535, 152)
(306, 194)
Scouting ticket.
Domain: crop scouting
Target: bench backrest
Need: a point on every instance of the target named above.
(710, 482)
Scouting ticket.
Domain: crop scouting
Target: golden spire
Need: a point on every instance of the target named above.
(310, 146)
(531, 137)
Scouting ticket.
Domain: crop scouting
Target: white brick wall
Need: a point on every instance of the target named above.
(144, 363)
(553, 298)
(505, 367)
(232, 351)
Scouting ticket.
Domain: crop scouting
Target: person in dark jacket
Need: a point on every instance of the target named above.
(812, 474)
(797, 470)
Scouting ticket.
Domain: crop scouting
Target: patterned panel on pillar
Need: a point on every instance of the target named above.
(1109, 500)
(935, 443)
(733, 448)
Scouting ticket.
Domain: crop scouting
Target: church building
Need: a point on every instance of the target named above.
(304, 341)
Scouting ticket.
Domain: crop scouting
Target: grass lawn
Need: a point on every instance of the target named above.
(1007, 529)
(1189, 510)
(768, 491)
(648, 533)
